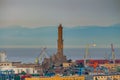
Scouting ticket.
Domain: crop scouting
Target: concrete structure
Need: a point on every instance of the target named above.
(106, 77)
(2, 56)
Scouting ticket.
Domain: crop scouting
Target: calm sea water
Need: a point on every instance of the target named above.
(28, 55)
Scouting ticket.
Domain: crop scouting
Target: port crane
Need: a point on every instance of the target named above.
(113, 54)
(111, 57)
(41, 56)
(87, 52)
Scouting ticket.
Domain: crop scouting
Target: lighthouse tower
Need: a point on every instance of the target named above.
(60, 40)
(60, 56)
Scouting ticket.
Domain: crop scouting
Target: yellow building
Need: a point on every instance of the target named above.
(57, 77)
(6, 64)
(65, 64)
(106, 77)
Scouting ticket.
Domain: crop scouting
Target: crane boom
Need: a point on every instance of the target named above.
(113, 54)
(41, 56)
(86, 54)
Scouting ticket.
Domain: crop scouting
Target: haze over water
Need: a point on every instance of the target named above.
(28, 55)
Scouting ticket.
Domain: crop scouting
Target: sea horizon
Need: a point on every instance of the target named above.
(28, 55)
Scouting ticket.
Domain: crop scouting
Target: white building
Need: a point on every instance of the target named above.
(2, 56)
(17, 69)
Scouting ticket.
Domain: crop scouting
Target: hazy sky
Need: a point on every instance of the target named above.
(18, 16)
(33, 13)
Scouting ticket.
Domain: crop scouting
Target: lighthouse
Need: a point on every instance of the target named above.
(60, 40)
(60, 57)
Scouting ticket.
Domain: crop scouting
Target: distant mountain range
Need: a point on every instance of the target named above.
(47, 35)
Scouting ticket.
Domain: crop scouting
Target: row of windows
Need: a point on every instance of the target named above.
(4, 64)
(107, 76)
